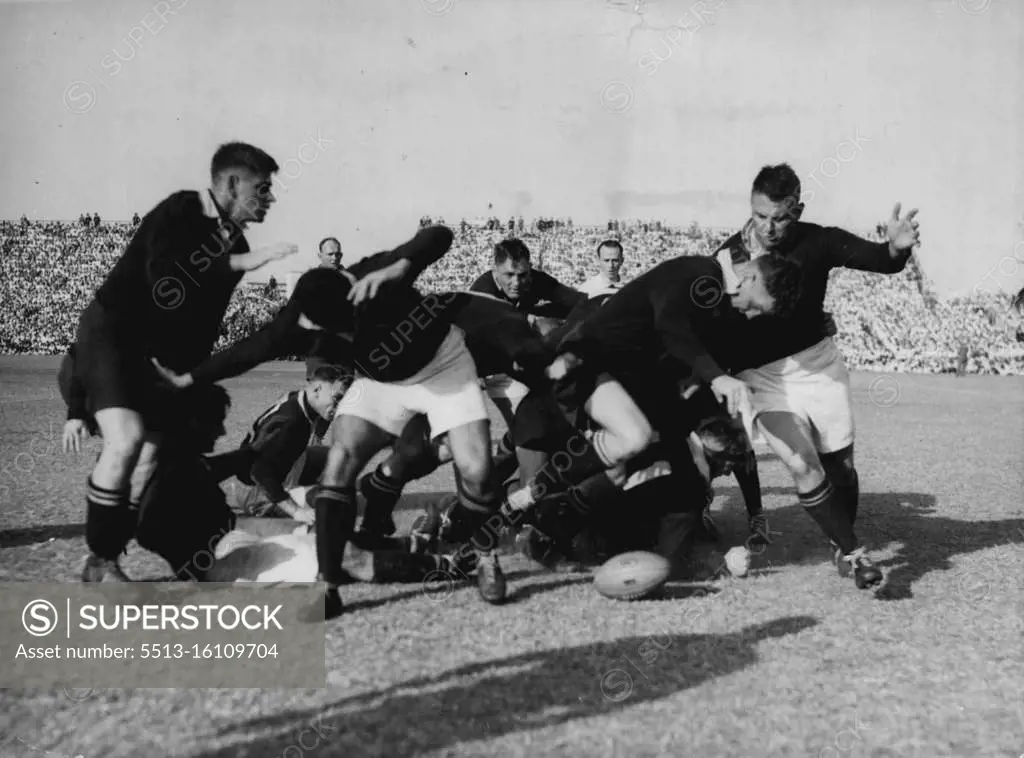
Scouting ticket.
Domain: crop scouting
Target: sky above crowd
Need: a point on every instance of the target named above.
(382, 112)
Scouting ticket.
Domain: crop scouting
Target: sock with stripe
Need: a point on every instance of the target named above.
(109, 522)
(382, 494)
(335, 520)
(825, 505)
(582, 464)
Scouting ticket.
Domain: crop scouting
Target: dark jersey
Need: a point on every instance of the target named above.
(499, 337)
(167, 294)
(546, 296)
(817, 250)
(672, 314)
(278, 439)
(389, 338)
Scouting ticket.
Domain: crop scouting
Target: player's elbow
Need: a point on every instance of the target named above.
(439, 238)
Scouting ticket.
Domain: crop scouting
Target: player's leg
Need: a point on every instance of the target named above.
(110, 520)
(412, 457)
(451, 397)
(354, 442)
(791, 437)
(475, 516)
(840, 470)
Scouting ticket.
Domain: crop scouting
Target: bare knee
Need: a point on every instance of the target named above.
(634, 438)
(342, 467)
(123, 444)
(807, 472)
(475, 472)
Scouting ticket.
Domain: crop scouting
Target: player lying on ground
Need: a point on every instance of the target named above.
(669, 526)
(625, 359)
(165, 298)
(284, 448)
(409, 359)
(801, 387)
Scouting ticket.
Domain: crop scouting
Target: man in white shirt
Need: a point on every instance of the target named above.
(609, 257)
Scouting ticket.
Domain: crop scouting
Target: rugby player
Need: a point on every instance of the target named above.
(501, 341)
(409, 359)
(513, 279)
(165, 298)
(620, 366)
(801, 387)
(284, 449)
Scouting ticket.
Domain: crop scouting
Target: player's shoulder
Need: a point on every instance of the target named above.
(180, 204)
(684, 266)
(484, 283)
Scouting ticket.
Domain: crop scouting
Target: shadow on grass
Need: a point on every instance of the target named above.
(926, 542)
(490, 699)
(32, 535)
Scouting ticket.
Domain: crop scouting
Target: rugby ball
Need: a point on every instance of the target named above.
(632, 576)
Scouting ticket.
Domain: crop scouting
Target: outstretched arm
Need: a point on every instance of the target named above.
(889, 257)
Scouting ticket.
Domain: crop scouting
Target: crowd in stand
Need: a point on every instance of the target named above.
(49, 270)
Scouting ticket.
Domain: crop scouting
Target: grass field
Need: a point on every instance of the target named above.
(791, 661)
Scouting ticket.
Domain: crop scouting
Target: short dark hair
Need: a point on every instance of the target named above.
(777, 183)
(325, 240)
(201, 405)
(1018, 301)
(783, 280)
(320, 294)
(241, 155)
(723, 438)
(327, 372)
(609, 243)
(512, 248)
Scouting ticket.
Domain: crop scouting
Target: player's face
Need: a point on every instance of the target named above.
(751, 297)
(611, 262)
(325, 396)
(513, 277)
(251, 196)
(330, 254)
(773, 219)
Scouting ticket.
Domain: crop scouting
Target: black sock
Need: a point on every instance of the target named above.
(825, 505)
(477, 520)
(382, 494)
(335, 519)
(850, 493)
(109, 522)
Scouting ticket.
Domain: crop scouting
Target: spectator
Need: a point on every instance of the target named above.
(329, 253)
(608, 279)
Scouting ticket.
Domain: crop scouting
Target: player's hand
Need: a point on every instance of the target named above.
(733, 393)
(902, 232)
(368, 287)
(75, 432)
(562, 366)
(177, 381)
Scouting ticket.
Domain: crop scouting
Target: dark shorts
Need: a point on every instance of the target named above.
(116, 373)
(540, 424)
(655, 393)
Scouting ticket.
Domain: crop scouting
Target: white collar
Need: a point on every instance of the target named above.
(210, 209)
(729, 277)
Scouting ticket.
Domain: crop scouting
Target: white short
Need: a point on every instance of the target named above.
(504, 387)
(814, 386)
(447, 391)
